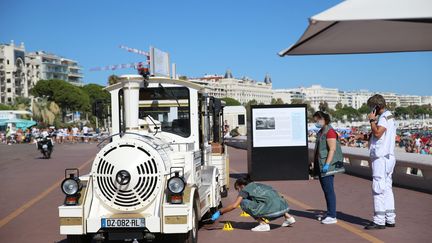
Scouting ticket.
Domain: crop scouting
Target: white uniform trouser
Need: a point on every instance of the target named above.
(382, 171)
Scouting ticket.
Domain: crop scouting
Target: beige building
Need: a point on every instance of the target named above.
(243, 90)
(288, 95)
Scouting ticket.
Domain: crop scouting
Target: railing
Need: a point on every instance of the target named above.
(413, 171)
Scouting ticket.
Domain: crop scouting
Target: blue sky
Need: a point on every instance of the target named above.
(206, 37)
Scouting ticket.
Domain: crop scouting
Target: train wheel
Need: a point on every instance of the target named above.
(192, 235)
(78, 239)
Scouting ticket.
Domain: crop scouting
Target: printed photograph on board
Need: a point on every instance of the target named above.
(265, 123)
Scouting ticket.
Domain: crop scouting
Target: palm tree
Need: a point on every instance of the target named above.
(46, 111)
(113, 79)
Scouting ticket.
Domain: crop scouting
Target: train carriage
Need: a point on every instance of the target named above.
(164, 168)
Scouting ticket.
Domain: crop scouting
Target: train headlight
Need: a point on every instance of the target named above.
(176, 185)
(70, 186)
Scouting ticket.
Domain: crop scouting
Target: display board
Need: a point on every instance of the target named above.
(159, 65)
(279, 127)
(277, 142)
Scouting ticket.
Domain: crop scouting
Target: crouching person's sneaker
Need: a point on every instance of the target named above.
(329, 220)
(288, 222)
(261, 228)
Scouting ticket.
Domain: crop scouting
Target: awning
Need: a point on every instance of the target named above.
(19, 123)
(368, 26)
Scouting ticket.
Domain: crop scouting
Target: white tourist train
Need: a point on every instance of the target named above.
(164, 168)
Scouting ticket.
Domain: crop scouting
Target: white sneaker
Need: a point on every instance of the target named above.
(261, 228)
(288, 222)
(329, 220)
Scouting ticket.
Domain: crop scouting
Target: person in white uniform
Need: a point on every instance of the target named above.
(382, 157)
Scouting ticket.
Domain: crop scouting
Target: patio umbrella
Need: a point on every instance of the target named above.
(368, 26)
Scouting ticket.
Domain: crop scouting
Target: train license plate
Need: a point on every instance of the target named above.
(123, 223)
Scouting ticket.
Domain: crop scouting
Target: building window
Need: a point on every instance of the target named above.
(241, 119)
(7, 61)
(8, 80)
(8, 90)
(9, 99)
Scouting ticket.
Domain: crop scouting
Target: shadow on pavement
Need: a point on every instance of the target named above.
(248, 225)
(158, 239)
(238, 175)
(313, 214)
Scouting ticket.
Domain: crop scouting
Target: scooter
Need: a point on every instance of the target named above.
(45, 145)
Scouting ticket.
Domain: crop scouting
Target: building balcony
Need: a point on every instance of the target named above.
(75, 75)
(53, 64)
(75, 67)
(56, 71)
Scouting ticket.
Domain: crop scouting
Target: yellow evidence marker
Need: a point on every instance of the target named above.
(227, 227)
(244, 214)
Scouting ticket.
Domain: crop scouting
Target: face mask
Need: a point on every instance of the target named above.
(318, 124)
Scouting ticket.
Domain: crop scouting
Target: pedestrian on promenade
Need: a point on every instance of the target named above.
(261, 202)
(382, 157)
(328, 161)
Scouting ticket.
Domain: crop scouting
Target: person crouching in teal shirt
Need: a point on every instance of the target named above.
(261, 202)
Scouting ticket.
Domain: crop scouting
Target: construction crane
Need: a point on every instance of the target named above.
(141, 67)
(134, 50)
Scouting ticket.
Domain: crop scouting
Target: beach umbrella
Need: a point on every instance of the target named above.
(368, 26)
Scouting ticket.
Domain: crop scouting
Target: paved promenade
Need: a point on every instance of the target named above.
(30, 195)
(354, 206)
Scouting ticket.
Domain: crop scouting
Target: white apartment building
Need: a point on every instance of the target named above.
(13, 79)
(288, 95)
(20, 71)
(56, 67)
(317, 94)
(243, 90)
(391, 98)
(426, 100)
(408, 100)
(354, 99)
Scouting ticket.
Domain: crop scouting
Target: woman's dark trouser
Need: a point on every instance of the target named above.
(330, 196)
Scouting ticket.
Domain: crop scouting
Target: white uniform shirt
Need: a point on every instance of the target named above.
(44, 134)
(385, 145)
(75, 130)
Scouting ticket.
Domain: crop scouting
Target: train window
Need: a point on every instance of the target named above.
(169, 106)
(241, 119)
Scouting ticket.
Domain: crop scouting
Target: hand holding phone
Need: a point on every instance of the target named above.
(373, 114)
(375, 110)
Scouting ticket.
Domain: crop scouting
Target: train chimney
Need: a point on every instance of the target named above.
(131, 98)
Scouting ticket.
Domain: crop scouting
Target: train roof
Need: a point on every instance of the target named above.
(163, 80)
